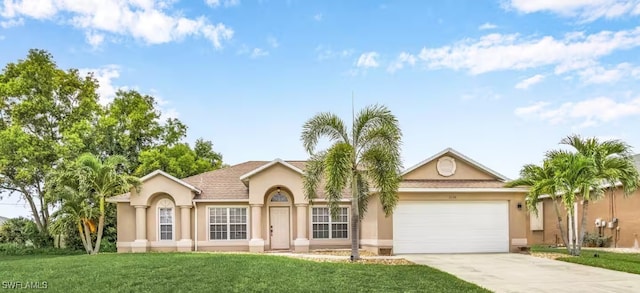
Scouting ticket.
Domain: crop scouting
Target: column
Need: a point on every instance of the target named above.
(141, 243)
(302, 242)
(185, 243)
(256, 244)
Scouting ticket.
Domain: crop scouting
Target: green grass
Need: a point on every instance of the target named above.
(201, 272)
(624, 262)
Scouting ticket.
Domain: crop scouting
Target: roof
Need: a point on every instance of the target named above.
(459, 155)
(3, 219)
(637, 159)
(165, 174)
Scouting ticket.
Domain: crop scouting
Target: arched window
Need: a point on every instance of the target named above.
(166, 220)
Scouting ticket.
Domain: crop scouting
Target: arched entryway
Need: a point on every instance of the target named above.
(279, 218)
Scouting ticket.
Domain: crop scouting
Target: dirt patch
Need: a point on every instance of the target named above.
(340, 252)
(549, 255)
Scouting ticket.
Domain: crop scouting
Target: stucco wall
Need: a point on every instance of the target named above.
(463, 171)
(126, 225)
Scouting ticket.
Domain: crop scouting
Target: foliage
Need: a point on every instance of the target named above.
(595, 240)
(180, 160)
(369, 153)
(624, 262)
(165, 272)
(22, 231)
(12, 249)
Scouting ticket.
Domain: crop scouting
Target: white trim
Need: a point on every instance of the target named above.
(457, 189)
(348, 222)
(461, 156)
(160, 172)
(248, 223)
(324, 200)
(115, 199)
(195, 220)
(168, 204)
(246, 176)
(214, 200)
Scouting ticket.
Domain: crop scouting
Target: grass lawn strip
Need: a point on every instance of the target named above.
(203, 272)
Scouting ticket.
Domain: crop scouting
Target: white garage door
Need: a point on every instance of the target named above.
(451, 227)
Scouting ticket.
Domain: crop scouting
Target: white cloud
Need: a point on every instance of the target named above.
(584, 10)
(273, 42)
(150, 21)
(403, 58)
(325, 53)
(257, 53)
(589, 112)
(12, 22)
(601, 75)
(105, 76)
(487, 26)
(225, 3)
(317, 17)
(495, 52)
(368, 60)
(526, 83)
(94, 39)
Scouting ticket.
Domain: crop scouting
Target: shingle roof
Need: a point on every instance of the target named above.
(637, 159)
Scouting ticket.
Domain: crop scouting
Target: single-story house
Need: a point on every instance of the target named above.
(448, 203)
(613, 215)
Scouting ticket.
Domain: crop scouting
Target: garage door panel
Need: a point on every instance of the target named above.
(451, 227)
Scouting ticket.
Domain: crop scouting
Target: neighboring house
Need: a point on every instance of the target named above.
(617, 217)
(448, 203)
(2, 220)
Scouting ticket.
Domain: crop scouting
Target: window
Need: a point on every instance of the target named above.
(228, 223)
(326, 227)
(165, 219)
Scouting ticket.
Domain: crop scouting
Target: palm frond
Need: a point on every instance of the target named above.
(313, 175)
(362, 193)
(382, 169)
(323, 125)
(338, 166)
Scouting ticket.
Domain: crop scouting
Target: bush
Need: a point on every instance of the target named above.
(595, 240)
(20, 249)
(23, 231)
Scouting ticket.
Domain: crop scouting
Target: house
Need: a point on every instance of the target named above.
(2, 220)
(448, 203)
(613, 215)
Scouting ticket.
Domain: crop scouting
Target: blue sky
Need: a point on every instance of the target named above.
(501, 81)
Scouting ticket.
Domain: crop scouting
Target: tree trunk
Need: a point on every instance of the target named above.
(563, 235)
(87, 236)
(583, 225)
(574, 233)
(355, 219)
(82, 237)
(100, 226)
(34, 209)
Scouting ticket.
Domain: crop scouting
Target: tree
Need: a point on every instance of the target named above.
(180, 160)
(541, 181)
(43, 112)
(369, 154)
(91, 181)
(613, 163)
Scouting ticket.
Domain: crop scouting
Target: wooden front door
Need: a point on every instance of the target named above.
(279, 227)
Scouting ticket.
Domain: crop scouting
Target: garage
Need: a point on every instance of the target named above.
(451, 227)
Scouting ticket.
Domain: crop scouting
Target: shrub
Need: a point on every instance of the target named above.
(25, 232)
(21, 249)
(595, 240)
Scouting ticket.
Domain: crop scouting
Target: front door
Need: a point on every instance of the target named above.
(279, 227)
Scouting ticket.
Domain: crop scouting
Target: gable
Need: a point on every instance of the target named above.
(450, 164)
(279, 162)
(160, 184)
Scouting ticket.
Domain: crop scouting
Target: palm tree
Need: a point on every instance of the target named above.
(368, 155)
(541, 181)
(613, 163)
(574, 174)
(104, 179)
(76, 208)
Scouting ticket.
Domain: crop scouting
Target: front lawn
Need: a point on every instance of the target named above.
(624, 262)
(203, 272)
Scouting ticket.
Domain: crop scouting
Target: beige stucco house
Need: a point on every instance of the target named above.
(613, 215)
(448, 203)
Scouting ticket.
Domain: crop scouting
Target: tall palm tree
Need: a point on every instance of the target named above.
(614, 164)
(76, 208)
(541, 181)
(574, 174)
(367, 155)
(104, 179)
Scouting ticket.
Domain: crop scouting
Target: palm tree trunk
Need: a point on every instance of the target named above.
(100, 226)
(82, 237)
(574, 233)
(355, 220)
(583, 224)
(87, 236)
(563, 235)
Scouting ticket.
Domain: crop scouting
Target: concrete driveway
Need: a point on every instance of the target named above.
(524, 273)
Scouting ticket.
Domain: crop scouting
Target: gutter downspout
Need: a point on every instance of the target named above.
(195, 240)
